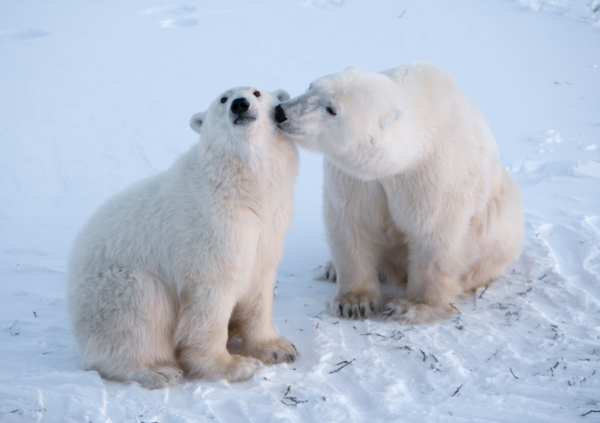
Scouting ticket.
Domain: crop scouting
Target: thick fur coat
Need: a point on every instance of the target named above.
(414, 191)
(167, 271)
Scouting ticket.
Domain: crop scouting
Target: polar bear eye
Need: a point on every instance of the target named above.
(331, 111)
(256, 93)
(224, 99)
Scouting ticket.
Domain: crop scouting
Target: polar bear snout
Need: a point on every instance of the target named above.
(280, 114)
(239, 105)
(287, 121)
(240, 109)
(301, 117)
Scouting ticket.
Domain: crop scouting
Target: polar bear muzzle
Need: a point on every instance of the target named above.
(240, 109)
(280, 114)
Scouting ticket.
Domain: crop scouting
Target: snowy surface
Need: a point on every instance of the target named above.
(584, 10)
(97, 95)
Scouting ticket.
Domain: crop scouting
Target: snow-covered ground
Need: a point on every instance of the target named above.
(96, 95)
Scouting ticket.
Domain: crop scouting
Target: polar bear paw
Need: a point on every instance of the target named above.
(407, 312)
(231, 367)
(159, 377)
(326, 272)
(240, 368)
(356, 305)
(279, 350)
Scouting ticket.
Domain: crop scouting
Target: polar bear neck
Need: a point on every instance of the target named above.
(242, 175)
(247, 147)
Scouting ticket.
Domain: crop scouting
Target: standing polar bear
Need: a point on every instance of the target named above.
(414, 192)
(166, 271)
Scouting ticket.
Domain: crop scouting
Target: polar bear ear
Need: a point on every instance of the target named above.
(196, 121)
(282, 95)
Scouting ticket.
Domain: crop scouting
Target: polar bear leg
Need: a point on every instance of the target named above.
(202, 334)
(354, 216)
(503, 228)
(252, 321)
(433, 284)
(123, 322)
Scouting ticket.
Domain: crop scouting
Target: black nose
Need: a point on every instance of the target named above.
(239, 105)
(279, 114)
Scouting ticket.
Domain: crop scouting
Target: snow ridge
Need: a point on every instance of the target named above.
(585, 10)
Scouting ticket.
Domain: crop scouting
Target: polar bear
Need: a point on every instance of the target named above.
(414, 192)
(167, 271)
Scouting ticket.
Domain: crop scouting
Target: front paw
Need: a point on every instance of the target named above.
(356, 305)
(407, 312)
(279, 350)
(240, 369)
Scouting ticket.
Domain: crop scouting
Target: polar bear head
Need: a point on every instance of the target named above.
(240, 113)
(353, 118)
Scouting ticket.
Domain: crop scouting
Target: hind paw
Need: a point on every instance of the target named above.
(159, 377)
(407, 312)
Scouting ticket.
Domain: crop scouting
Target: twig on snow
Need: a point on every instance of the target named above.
(294, 401)
(14, 329)
(452, 305)
(345, 363)
(373, 333)
(402, 14)
(539, 279)
(21, 411)
(524, 292)
(590, 412)
(513, 374)
(481, 295)
(555, 366)
(457, 390)
(424, 355)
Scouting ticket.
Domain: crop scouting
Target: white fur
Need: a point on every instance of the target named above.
(162, 270)
(414, 191)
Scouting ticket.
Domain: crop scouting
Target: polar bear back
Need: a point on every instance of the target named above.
(437, 100)
(454, 133)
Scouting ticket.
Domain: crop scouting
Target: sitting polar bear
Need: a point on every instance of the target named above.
(161, 272)
(414, 192)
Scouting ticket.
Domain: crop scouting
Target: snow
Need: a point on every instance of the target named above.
(585, 10)
(97, 95)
